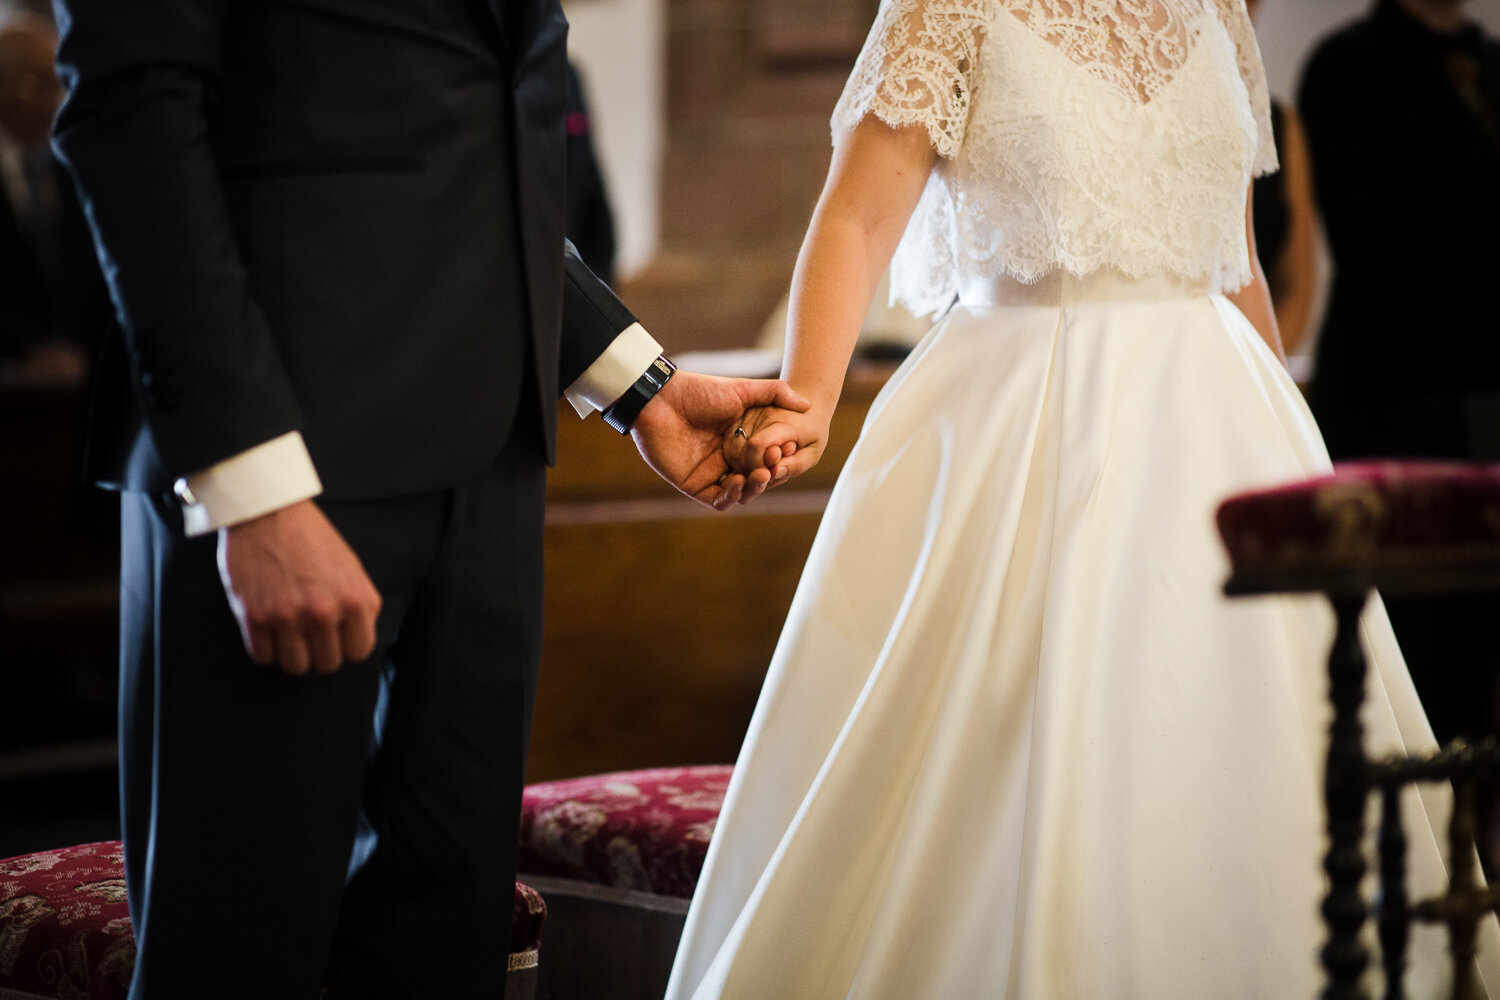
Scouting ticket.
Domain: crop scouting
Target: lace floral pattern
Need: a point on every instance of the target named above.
(1076, 134)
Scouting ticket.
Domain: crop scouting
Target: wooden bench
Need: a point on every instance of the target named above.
(662, 615)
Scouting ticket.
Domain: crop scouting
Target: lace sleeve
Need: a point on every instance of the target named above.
(917, 68)
(1237, 21)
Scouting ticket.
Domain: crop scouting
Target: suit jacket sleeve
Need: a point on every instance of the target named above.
(135, 131)
(592, 318)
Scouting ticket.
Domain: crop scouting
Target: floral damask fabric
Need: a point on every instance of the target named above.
(528, 915)
(65, 925)
(1073, 134)
(65, 931)
(643, 830)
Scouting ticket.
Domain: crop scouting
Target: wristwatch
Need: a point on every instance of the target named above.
(622, 412)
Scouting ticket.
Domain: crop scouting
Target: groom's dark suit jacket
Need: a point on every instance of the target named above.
(343, 217)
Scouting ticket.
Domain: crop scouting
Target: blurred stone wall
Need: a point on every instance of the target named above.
(750, 86)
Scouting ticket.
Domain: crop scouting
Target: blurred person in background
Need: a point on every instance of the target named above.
(53, 306)
(1286, 224)
(1403, 116)
(590, 222)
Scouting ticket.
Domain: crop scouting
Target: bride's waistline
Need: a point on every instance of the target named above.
(1059, 289)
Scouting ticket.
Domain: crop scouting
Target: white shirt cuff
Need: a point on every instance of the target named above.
(267, 477)
(615, 371)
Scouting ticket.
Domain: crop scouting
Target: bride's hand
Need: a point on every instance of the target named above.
(786, 442)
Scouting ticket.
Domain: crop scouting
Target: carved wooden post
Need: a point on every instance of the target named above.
(1345, 956)
(1463, 917)
(1395, 917)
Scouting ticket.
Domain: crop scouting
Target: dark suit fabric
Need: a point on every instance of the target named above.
(1407, 158)
(1404, 129)
(258, 793)
(1271, 206)
(293, 191)
(346, 219)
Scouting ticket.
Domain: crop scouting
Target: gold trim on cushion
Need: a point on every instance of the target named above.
(1355, 514)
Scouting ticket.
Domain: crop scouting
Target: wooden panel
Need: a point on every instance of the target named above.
(790, 33)
(662, 615)
(56, 528)
(59, 576)
(659, 630)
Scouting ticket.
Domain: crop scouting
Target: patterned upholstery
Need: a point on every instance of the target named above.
(1368, 517)
(529, 915)
(65, 926)
(645, 831)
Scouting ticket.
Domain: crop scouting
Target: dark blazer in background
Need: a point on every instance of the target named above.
(1404, 126)
(50, 289)
(590, 221)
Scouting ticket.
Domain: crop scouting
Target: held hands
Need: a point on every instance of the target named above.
(299, 593)
(303, 600)
(786, 441)
(683, 434)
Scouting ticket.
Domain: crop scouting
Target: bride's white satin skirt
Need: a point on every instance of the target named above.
(1014, 742)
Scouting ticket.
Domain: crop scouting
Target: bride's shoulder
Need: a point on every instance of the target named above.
(917, 67)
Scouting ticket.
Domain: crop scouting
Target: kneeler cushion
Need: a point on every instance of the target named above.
(1372, 517)
(65, 925)
(529, 915)
(645, 831)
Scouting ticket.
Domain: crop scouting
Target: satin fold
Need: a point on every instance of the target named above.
(1014, 741)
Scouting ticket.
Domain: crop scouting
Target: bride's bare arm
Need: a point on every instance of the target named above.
(1254, 300)
(874, 182)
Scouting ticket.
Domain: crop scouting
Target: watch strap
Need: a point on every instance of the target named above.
(622, 412)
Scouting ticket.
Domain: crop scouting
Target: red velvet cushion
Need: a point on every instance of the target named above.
(643, 830)
(528, 916)
(1368, 516)
(65, 924)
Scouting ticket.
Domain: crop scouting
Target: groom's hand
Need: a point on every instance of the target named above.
(681, 432)
(299, 593)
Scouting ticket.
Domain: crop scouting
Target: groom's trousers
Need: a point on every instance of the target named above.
(356, 829)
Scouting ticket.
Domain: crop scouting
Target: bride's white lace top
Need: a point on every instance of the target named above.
(1076, 134)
